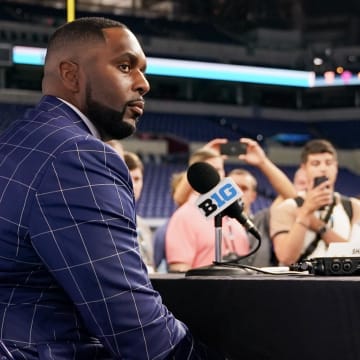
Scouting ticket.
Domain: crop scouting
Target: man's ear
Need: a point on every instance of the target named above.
(69, 74)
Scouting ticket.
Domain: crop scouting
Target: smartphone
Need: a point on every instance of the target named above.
(319, 180)
(233, 148)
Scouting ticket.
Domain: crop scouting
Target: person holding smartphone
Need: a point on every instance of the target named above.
(189, 237)
(304, 229)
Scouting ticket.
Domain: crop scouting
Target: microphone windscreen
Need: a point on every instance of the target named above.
(202, 177)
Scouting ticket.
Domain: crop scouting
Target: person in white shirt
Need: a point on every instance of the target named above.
(304, 231)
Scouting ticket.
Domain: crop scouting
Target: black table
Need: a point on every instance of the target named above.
(269, 317)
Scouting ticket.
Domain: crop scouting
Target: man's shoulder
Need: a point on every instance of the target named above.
(54, 116)
(290, 204)
(49, 132)
(351, 206)
(188, 209)
(50, 127)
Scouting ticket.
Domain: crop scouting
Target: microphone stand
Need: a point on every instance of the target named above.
(216, 269)
(218, 237)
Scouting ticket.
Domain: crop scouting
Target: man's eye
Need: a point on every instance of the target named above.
(124, 67)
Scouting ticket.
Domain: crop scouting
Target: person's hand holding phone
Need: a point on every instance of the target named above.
(233, 148)
(216, 144)
(325, 188)
(319, 180)
(319, 196)
(254, 155)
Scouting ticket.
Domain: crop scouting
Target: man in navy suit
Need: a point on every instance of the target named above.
(73, 285)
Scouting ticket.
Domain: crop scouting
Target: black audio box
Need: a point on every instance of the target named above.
(329, 266)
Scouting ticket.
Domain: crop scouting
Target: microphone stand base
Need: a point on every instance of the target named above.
(218, 270)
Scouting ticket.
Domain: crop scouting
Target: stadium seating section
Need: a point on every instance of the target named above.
(158, 171)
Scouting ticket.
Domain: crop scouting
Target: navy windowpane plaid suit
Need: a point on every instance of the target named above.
(73, 285)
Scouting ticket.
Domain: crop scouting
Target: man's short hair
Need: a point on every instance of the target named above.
(244, 172)
(82, 30)
(317, 146)
(133, 161)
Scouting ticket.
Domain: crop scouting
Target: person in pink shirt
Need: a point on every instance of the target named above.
(190, 237)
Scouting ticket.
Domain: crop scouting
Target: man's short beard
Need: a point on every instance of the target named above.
(110, 123)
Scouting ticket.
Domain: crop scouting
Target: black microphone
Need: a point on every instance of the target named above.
(202, 178)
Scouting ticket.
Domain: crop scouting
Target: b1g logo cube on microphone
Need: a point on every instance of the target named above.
(218, 198)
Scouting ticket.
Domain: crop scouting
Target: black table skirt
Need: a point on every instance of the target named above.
(269, 316)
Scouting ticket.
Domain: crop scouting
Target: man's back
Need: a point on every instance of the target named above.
(67, 223)
(34, 309)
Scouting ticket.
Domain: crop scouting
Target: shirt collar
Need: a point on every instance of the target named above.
(85, 119)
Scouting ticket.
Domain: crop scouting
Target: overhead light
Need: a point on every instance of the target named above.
(318, 61)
